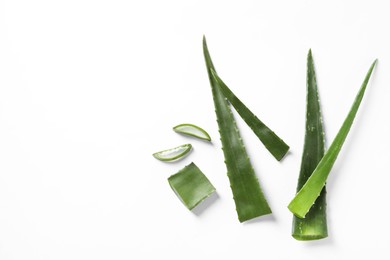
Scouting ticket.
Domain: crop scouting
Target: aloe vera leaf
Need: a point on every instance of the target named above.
(192, 130)
(247, 194)
(304, 199)
(314, 225)
(191, 185)
(173, 153)
(275, 145)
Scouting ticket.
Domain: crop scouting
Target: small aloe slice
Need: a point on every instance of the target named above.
(314, 225)
(191, 186)
(247, 194)
(306, 196)
(192, 130)
(173, 153)
(276, 146)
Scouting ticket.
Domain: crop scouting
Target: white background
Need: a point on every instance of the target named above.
(90, 89)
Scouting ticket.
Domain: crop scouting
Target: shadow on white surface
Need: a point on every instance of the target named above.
(266, 218)
(318, 243)
(198, 210)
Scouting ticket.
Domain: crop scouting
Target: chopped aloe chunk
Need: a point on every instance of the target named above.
(173, 153)
(192, 130)
(307, 195)
(191, 185)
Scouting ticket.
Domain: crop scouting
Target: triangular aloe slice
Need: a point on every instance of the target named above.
(275, 145)
(314, 225)
(173, 154)
(248, 196)
(192, 130)
(306, 196)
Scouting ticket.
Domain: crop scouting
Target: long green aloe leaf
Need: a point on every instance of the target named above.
(248, 196)
(305, 198)
(314, 225)
(275, 145)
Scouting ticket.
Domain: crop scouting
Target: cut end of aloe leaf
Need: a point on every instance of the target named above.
(192, 130)
(255, 214)
(191, 186)
(173, 154)
(298, 212)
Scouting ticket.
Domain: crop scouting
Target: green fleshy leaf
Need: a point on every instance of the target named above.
(306, 196)
(314, 225)
(274, 144)
(247, 194)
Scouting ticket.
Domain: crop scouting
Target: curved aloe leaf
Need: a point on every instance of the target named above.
(305, 198)
(248, 196)
(192, 130)
(191, 185)
(276, 146)
(314, 225)
(173, 153)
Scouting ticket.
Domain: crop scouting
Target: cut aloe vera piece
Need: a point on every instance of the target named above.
(247, 194)
(314, 225)
(306, 196)
(192, 130)
(191, 186)
(274, 144)
(173, 153)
